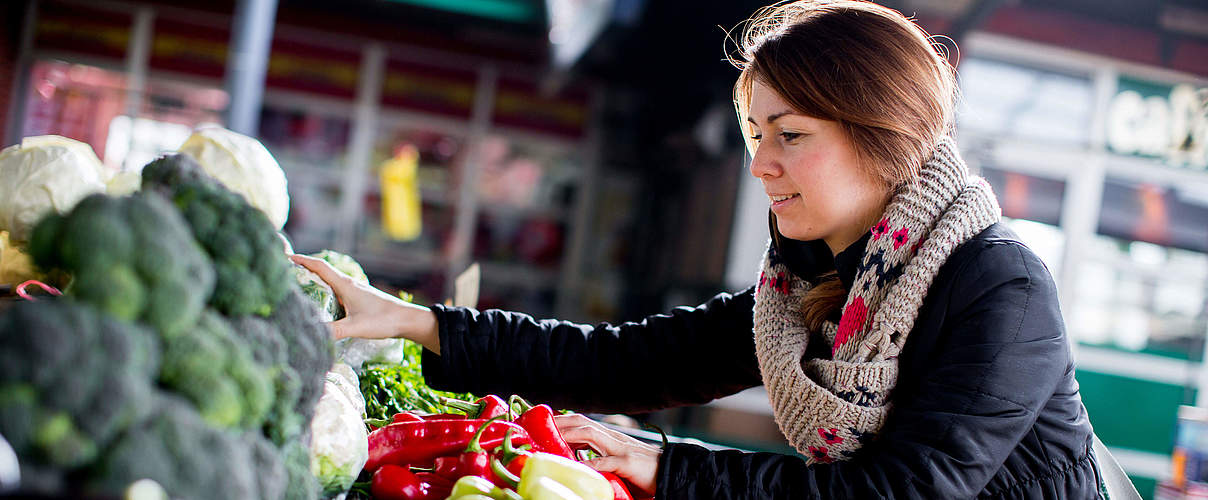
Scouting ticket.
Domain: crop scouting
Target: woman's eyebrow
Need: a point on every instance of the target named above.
(772, 117)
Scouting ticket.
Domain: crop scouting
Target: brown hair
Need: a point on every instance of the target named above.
(867, 67)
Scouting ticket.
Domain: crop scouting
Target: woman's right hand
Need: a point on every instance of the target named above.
(371, 313)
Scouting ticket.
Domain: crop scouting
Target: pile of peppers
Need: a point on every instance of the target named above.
(497, 450)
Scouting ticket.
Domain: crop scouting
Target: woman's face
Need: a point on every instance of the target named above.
(810, 173)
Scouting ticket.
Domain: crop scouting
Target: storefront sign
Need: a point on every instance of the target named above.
(1161, 121)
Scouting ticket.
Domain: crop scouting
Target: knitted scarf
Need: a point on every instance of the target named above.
(829, 408)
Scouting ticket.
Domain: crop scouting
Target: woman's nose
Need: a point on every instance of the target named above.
(763, 164)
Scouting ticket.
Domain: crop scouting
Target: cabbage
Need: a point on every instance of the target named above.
(339, 443)
(15, 265)
(320, 293)
(244, 166)
(43, 174)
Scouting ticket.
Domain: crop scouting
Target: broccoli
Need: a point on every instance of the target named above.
(253, 274)
(177, 449)
(215, 369)
(71, 380)
(310, 348)
(131, 257)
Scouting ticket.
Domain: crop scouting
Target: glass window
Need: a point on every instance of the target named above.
(1008, 100)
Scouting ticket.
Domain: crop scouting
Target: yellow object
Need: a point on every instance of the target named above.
(401, 210)
(15, 265)
(543, 468)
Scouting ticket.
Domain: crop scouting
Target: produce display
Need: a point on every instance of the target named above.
(495, 450)
(187, 357)
(182, 350)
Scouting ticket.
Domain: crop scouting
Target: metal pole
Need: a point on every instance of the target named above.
(247, 62)
(20, 90)
(467, 204)
(360, 148)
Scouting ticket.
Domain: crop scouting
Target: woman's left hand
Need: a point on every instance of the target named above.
(633, 460)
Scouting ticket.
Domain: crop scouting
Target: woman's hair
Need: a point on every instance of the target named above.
(867, 67)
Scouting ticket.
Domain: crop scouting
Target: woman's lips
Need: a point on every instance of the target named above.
(784, 203)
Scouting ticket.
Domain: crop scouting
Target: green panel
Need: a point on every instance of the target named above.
(1143, 87)
(1145, 486)
(1150, 348)
(504, 10)
(1131, 413)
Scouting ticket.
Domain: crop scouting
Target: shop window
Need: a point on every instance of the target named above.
(1143, 285)
(1007, 100)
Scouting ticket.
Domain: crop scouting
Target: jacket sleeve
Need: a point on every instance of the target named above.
(690, 356)
(997, 360)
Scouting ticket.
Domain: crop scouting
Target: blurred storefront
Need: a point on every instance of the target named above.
(506, 168)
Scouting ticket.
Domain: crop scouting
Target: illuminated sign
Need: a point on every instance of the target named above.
(1160, 121)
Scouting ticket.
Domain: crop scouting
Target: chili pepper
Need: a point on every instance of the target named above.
(435, 487)
(486, 407)
(512, 457)
(474, 460)
(405, 417)
(446, 466)
(418, 443)
(539, 422)
(619, 490)
(477, 485)
(578, 478)
(392, 482)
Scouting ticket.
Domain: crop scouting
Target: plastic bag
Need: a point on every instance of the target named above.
(357, 352)
(339, 443)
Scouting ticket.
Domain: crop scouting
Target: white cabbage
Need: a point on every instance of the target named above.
(244, 166)
(339, 443)
(44, 174)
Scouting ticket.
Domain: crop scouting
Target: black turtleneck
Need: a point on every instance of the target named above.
(848, 261)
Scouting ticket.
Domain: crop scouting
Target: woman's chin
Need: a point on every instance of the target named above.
(793, 231)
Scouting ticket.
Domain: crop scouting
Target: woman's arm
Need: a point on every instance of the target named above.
(993, 372)
(690, 356)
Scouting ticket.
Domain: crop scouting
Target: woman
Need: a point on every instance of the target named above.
(911, 346)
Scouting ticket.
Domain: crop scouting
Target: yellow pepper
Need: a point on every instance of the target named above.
(544, 488)
(583, 481)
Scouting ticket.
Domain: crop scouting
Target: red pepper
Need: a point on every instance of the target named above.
(512, 458)
(392, 482)
(619, 490)
(419, 443)
(435, 486)
(539, 422)
(473, 461)
(488, 406)
(405, 417)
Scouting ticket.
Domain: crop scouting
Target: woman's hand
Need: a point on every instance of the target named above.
(622, 455)
(371, 313)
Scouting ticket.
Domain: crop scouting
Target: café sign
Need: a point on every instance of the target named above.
(1160, 121)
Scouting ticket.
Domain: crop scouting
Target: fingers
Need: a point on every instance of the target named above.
(608, 463)
(332, 276)
(578, 429)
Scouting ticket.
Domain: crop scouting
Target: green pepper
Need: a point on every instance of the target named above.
(478, 485)
(580, 479)
(474, 496)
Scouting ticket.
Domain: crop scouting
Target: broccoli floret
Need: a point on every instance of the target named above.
(72, 379)
(131, 257)
(302, 482)
(214, 368)
(271, 476)
(253, 274)
(310, 347)
(177, 449)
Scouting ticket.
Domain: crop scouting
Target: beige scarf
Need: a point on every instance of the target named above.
(828, 408)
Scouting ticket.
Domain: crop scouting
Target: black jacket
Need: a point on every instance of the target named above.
(986, 403)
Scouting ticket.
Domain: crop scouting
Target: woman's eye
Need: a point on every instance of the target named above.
(788, 136)
(757, 137)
